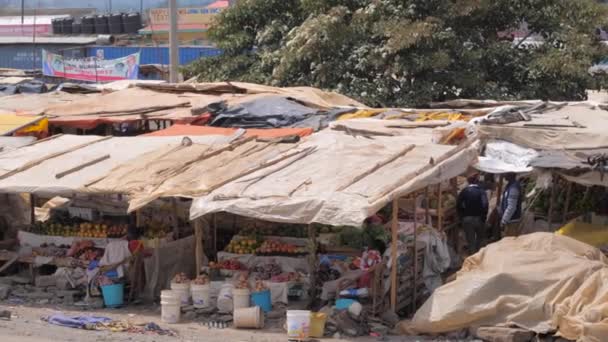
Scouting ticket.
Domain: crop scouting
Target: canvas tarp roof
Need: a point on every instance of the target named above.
(307, 95)
(192, 130)
(541, 282)
(186, 171)
(573, 126)
(342, 181)
(12, 161)
(330, 177)
(11, 143)
(37, 168)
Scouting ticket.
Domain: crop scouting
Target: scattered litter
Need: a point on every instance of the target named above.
(5, 315)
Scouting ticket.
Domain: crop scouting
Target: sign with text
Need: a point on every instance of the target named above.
(160, 16)
(90, 69)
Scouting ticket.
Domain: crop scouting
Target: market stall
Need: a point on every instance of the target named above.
(334, 178)
(85, 233)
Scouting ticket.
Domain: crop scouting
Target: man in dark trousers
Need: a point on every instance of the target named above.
(510, 206)
(472, 206)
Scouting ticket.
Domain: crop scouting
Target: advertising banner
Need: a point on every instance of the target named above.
(90, 69)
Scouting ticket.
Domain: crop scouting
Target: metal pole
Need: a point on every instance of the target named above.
(173, 44)
(141, 7)
(22, 14)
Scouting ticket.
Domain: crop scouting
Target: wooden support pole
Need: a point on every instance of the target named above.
(175, 218)
(198, 235)
(32, 208)
(215, 233)
(415, 275)
(138, 218)
(81, 166)
(313, 262)
(427, 214)
(551, 202)
(439, 208)
(394, 228)
(567, 203)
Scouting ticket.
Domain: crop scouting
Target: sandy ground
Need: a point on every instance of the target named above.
(26, 326)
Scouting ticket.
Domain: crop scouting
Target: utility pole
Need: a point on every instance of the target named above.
(22, 13)
(173, 44)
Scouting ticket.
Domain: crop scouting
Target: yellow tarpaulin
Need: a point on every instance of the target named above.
(11, 123)
(362, 114)
(593, 234)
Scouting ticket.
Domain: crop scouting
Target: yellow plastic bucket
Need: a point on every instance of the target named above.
(317, 324)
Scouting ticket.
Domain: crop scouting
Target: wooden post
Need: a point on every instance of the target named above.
(312, 262)
(415, 275)
(427, 214)
(394, 227)
(551, 202)
(32, 209)
(439, 208)
(567, 203)
(215, 233)
(176, 219)
(198, 252)
(138, 218)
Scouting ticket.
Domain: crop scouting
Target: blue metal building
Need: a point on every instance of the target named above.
(153, 55)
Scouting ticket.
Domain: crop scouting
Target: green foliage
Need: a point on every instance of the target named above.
(409, 52)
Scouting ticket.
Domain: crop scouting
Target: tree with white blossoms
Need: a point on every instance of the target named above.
(410, 52)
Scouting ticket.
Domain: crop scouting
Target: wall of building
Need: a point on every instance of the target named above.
(153, 55)
(29, 56)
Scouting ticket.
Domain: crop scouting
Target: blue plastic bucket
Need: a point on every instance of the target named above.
(262, 299)
(113, 295)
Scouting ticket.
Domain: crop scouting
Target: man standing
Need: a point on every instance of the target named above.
(472, 207)
(510, 207)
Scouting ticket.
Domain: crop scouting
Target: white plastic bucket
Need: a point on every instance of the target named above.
(241, 298)
(170, 306)
(298, 324)
(224, 298)
(184, 292)
(249, 318)
(200, 296)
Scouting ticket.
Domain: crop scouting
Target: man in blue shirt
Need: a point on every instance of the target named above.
(472, 207)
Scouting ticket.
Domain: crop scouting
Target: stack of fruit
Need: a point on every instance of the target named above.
(87, 229)
(231, 264)
(279, 248)
(181, 278)
(242, 246)
(201, 280)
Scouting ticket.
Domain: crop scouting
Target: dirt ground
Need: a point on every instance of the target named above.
(26, 326)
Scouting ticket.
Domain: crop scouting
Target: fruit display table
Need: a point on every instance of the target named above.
(35, 240)
(288, 264)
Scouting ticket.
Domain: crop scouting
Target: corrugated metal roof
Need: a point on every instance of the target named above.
(76, 40)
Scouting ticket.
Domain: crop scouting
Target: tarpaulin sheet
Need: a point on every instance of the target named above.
(342, 181)
(11, 123)
(593, 234)
(262, 112)
(185, 171)
(43, 177)
(208, 130)
(11, 143)
(503, 157)
(574, 126)
(33, 154)
(542, 282)
(306, 95)
(35, 104)
(128, 101)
